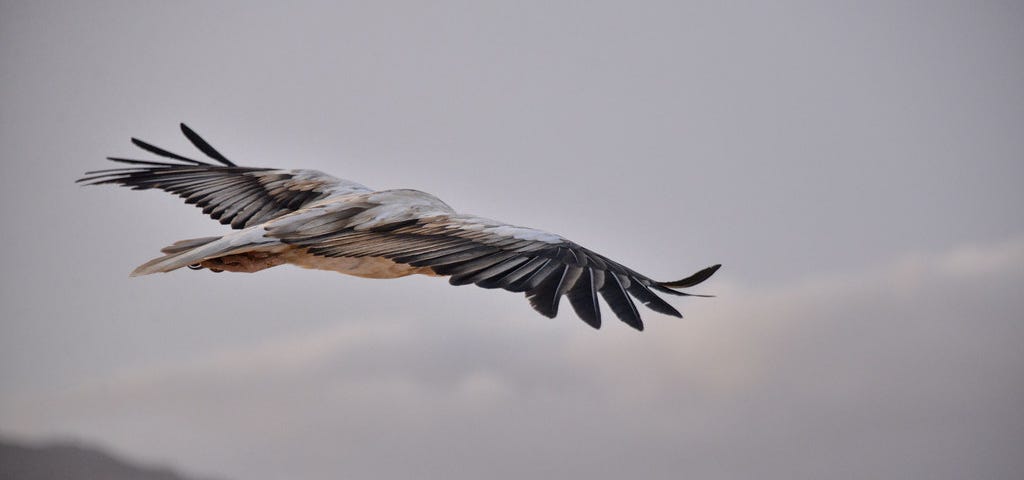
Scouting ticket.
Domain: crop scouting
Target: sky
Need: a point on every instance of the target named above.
(856, 167)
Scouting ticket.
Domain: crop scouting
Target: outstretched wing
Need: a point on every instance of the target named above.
(475, 250)
(240, 196)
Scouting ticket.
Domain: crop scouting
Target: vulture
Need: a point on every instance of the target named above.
(313, 220)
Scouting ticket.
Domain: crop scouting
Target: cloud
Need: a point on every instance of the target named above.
(909, 369)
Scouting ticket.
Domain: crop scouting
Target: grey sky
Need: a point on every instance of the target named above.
(857, 168)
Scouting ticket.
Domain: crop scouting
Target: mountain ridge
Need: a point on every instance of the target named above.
(76, 460)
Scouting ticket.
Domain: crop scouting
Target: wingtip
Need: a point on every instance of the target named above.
(694, 279)
(594, 323)
(712, 269)
(204, 146)
(185, 129)
(138, 142)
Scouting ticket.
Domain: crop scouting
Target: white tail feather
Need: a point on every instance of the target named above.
(180, 255)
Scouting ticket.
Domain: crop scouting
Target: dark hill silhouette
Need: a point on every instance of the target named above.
(72, 461)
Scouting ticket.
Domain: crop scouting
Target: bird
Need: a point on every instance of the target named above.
(313, 220)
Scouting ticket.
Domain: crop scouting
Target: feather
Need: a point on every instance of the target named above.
(544, 296)
(492, 272)
(161, 152)
(204, 147)
(475, 251)
(620, 303)
(469, 268)
(652, 301)
(583, 298)
(514, 282)
(694, 279)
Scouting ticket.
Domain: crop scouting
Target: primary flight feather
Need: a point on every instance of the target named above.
(313, 220)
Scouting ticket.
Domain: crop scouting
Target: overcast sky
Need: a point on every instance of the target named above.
(858, 167)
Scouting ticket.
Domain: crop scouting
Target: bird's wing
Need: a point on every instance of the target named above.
(240, 196)
(416, 229)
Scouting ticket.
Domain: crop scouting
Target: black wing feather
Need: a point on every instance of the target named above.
(240, 196)
(163, 153)
(616, 296)
(204, 147)
(545, 272)
(583, 298)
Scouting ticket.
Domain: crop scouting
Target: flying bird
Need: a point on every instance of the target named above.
(313, 220)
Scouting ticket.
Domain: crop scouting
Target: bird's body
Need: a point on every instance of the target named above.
(313, 220)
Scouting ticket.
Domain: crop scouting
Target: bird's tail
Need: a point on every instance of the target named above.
(193, 251)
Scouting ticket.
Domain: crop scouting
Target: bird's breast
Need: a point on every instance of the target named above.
(366, 267)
